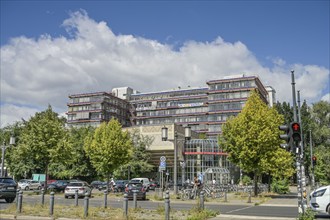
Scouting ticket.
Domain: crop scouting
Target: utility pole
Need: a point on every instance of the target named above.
(312, 165)
(296, 149)
(302, 166)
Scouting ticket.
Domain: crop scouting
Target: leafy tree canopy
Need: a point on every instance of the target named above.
(108, 147)
(251, 138)
(43, 141)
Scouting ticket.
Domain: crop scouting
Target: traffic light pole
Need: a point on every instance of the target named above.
(298, 151)
(303, 172)
(312, 165)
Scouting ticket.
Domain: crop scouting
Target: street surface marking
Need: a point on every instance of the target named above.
(239, 209)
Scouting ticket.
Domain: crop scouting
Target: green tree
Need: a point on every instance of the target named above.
(79, 166)
(139, 163)
(251, 138)
(43, 141)
(321, 142)
(108, 148)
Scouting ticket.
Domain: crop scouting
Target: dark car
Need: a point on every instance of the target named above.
(8, 188)
(58, 185)
(97, 183)
(138, 188)
(121, 185)
(154, 185)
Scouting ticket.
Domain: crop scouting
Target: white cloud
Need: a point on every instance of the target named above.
(326, 98)
(45, 71)
(12, 113)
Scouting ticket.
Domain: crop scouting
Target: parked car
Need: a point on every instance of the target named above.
(121, 185)
(144, 181)
(154, 185)
(96, 184)
(136, 187)
(28, 184)
(8, 188)
(58, 185)
(320, 200)
(81, 186)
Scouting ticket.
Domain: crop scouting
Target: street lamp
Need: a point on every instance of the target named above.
(4, 147)
(187, 132)
(183, 165)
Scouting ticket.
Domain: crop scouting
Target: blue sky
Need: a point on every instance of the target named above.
(268, 38)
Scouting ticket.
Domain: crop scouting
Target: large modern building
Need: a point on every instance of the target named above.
(204, 109)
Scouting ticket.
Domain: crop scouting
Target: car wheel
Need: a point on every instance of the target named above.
(9, 200)
(66, 197)
(27, 188)
(328, 210)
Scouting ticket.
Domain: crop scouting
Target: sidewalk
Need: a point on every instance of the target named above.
(281, 200)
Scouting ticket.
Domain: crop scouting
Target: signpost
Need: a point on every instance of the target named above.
(162, 167)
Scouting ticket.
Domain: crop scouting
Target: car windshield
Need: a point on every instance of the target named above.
(6, 180)
(135, 185)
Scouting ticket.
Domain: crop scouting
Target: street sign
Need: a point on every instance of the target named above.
(162, 164)
(162, 158)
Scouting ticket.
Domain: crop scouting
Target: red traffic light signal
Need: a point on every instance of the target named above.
(295, 127)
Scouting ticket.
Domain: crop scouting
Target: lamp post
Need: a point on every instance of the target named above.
(187, 135)
(4, 147)
(183, 165)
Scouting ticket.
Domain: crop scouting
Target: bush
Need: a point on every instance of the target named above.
(280, 186)
(308, 215)
(246, 180)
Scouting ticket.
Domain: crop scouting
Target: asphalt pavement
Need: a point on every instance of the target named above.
(242, 208)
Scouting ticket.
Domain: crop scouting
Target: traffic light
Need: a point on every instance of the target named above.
(286, 136)
(296, 134)
(314, 161)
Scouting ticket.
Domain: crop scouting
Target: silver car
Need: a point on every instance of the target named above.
(81, 186)
(28, 184)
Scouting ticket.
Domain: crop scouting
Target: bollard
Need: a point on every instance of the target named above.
(42, 196)
(76, 197)
(20, 201)
(17, 194)
(249, 200)
(167, 205)
(226, 200)
(105, 199)
(125, 206)
(134, 199)
(86, 203)
(201, 198)
(51, 204)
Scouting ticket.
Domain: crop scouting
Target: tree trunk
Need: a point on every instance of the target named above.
(269, 181)
(108, 181)
(255, 184)
(46, 179)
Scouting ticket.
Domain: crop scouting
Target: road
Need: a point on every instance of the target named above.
(117, 202)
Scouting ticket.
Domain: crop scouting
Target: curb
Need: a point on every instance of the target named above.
(234, 217)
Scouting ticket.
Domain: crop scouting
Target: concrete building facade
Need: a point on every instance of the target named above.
(204, 109)
(91, 109)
